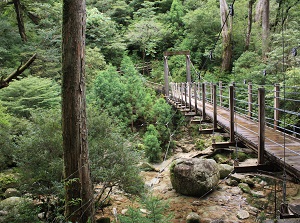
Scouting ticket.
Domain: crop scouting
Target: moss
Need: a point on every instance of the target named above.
(8, 179)
(245, 188)
(200, 144)
(221, 158)
(240, 156)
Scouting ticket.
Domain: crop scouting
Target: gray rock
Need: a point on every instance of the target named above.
(237, 177)
(193, 218)
(231, 182)
(146, 167)
(3, 213)
(194, 177)
(12, 192)
(258, 194)
(225, 170)
(249, 181)
(242, 214)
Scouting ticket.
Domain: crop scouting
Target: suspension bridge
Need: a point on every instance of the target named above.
(251, 114)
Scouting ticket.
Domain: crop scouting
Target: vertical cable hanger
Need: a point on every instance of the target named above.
(284, 204)
(236, 160)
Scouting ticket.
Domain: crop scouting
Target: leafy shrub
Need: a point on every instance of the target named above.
(152, 144)
(30, 94)
(161, 115)
(156, 211)
(39, 153)
(113, 161)
(6, 158)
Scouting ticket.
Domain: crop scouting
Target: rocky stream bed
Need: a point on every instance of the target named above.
(237, 198)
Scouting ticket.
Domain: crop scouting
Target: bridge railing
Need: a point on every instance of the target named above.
(274, 107)
(281, 104)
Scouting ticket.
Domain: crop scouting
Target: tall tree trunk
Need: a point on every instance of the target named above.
(18, 10)
(265, 27)
(79, 200)
(249, 26)
(226, 34)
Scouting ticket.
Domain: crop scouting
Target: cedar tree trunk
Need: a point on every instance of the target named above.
(265, 27)
(79, 206)
(249, 26)
(226, 34)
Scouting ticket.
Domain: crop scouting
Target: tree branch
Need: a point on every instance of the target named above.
(5, 82)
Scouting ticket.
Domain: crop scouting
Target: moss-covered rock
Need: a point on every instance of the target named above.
(221, 158)
(8, 179)
(245, 188)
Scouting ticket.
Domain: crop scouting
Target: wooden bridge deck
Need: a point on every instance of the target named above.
(279, 147)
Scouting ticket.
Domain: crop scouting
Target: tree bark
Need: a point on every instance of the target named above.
(249, 26)
(79, 206)
(265, 27)
(18, 10)
(226, 34)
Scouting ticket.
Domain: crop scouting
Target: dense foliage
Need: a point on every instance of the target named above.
(124, 47)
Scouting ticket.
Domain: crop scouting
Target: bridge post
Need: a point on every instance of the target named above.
(185, 94)
(175, 92)
(215, 124)
(261, 125)
(171, 93)
(189, 79)
(231, 110)
(211, 92)
(181, 94)
(221, 90)
(203, 101)
(276, 105)
(166, 72)
(196, 98)
(250, 99)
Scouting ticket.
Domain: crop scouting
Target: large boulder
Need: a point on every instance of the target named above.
(194, 177)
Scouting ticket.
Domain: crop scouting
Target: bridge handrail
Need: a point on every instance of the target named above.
(246, 101)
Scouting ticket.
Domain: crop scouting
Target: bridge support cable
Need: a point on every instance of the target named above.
(189, 79)
(276, 105)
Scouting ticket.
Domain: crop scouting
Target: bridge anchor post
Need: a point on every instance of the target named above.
(261, 124)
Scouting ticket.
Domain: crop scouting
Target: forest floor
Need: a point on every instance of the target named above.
(224, 204)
